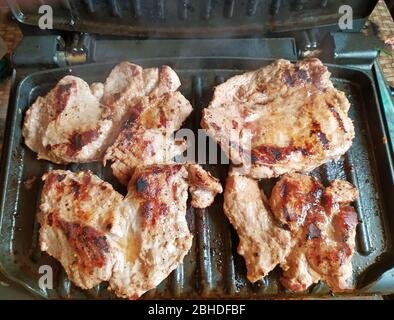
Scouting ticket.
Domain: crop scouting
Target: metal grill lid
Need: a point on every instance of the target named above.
(191, 18)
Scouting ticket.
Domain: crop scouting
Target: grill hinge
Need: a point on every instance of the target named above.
(346, 48)
(51, 50)
(355, 48)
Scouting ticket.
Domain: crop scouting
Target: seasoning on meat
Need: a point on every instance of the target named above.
(75, 123)
(133, 242)
(310, 232)
(280, 119)
(147, 137)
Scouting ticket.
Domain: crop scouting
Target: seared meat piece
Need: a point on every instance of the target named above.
(135, 242)
(280, 119)
(128, 82)
(67, 124)
(81, 219)
(158, 237)
(203, 186)
(147, 137)
(77, 123)
(310, 232)
(322, 227)
(264, 243)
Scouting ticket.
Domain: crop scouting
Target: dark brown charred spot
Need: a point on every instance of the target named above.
(79, 140)
(141, 185)
(345, 222)
(62, 93)
(313, 232)
(306, 151)
(128, 124)
(174, 191)
(116, 96)
(348, 217)
(271, 154)
(133, 116)
(283, 191)
(302, 74)
(81, 190)
(295, 200)
(327, 202)
(110, 221)
(60, 177)
(299, 77)
(149, 186)
(129, 136)
(336, 116)
(274, 154)
(316, 129)
(153, 210)
(163, 118)
(50, 219)
(286, 214)
(53, 179)
(89, 244)
(323, 139)
(288, 78)
(50, 180)
(287, 190)
(302, 77)
(75, 188)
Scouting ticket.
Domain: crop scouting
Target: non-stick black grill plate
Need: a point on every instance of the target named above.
(212, 268)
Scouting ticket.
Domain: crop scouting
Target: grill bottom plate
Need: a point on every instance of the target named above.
(212, 268)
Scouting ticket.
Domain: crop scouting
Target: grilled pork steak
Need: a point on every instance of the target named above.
(135, 242)
(75, 123)
(310, 232)
(147, 137)
(158, 237)
(322, 227)
(128, 82)
(67, 125)
(81, 220)
(280, 119)
(263, 242)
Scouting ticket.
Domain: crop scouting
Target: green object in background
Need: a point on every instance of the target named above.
(4, 63)
(4, 68)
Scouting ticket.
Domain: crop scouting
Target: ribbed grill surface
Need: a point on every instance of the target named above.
(212, 268)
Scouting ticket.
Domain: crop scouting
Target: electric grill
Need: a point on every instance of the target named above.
(205, 42)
